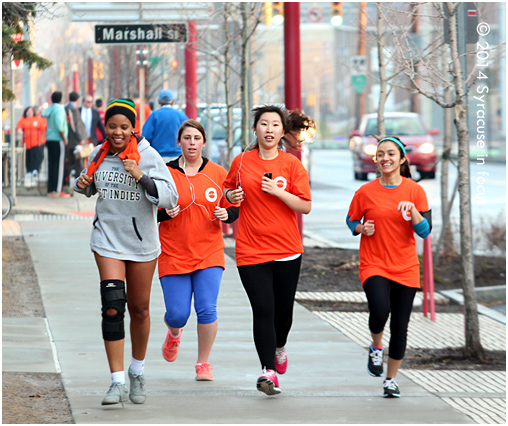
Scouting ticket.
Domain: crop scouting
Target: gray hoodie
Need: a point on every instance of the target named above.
(125, 223)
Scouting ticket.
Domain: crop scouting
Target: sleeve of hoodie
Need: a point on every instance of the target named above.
(90, 190)
(166, 188)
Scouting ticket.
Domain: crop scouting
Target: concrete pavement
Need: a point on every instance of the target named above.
(326, 380)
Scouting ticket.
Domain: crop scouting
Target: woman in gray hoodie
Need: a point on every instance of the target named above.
(131, 181)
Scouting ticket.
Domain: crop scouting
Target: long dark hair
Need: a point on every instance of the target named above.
(26, 110)
(404, 167)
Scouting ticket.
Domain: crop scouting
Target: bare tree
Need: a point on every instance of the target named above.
(420, 65)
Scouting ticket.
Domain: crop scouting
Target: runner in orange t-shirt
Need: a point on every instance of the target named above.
(192, 258)
(392, 209)
(271, 186)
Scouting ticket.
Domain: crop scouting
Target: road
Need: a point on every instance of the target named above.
(333, 187)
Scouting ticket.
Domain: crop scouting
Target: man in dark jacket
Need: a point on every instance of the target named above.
(77, 136)
(92, 120)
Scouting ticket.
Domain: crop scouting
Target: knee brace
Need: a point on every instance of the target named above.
(113, 296)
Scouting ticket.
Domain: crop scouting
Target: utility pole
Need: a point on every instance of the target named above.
(292, 79)
(13, 139)
(190, 73)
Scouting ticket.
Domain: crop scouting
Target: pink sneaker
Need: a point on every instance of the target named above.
(170, 346)
(281, 361)
(268, 383)
(203, 373)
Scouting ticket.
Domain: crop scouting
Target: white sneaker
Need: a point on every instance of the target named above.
(117, 393)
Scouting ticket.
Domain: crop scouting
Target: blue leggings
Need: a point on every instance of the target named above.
(178, 290)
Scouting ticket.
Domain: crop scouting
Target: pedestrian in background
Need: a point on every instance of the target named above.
(300, 127)
(56, 140)
(192, 259)
(31, 127)
(102, 114)
(387, 212)
(161, 128)
(131, 181)
(271, 185)
(92, 120)
(77, 136)
(147, 110)
(41, 130)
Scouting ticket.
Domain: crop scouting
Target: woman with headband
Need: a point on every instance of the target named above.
(131, 181)
(192, 259)
(271, 185)
(387, 212)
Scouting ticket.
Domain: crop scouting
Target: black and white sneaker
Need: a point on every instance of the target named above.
(375, 363)
(391, 389)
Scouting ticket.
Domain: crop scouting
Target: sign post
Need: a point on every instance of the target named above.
(140, 34)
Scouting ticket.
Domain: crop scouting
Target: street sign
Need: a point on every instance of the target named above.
(140, 34)
(358, 82)
(17, 63)
(358, 65)
(315, 15)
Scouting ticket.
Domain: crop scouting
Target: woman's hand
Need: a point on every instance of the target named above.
(84, 181)
(368, 228)
(409, 207)
(406, 206)
(172, 213)
(235, 196)
(269, 186)
(132, 167)
(221, 213)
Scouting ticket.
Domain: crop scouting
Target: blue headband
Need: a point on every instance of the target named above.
(396, 141)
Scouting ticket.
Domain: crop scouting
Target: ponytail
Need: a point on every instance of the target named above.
(404, 169)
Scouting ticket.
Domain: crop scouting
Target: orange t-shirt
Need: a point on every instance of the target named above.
(148, 111)
(391, 251)
(33, 129)
(193, 239)
(267, 227)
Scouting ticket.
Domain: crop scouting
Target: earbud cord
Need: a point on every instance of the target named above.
(193, 192)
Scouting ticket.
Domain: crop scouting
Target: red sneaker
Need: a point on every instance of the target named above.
(281, 361)
(268, 383)
(64, 195)
(203, 372)
(170, 346)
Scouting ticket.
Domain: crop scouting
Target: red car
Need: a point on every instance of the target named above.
(409, 128)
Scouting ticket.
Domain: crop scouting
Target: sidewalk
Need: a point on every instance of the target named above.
(326, 381)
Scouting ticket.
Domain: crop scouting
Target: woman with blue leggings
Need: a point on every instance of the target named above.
(192, 259)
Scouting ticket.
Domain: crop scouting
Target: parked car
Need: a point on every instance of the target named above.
(409, 127)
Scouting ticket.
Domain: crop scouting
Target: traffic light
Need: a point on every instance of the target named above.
(174, 63)
(268, 13)
(277, 12)
(336, 20)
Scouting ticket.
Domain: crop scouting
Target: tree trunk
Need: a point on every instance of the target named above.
(245, 74)
(445, 243)
(473, 347)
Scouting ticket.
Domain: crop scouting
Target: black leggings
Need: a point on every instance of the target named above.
(271, 289)
(385, 295)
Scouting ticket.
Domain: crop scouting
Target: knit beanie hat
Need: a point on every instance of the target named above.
(122, 106)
